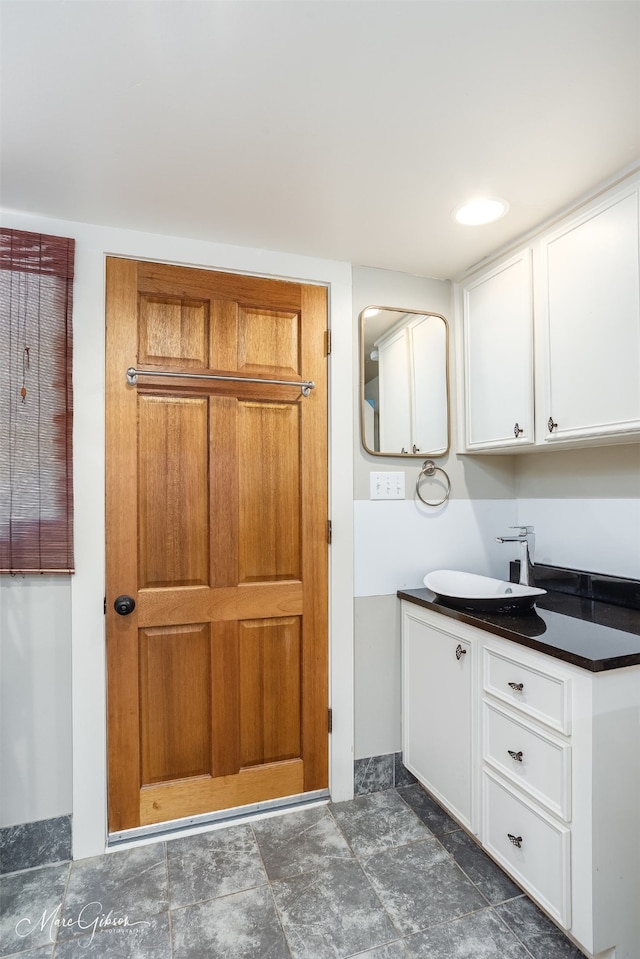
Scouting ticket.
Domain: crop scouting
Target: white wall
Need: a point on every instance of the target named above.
(585, 506)
(35, 698)
(84, 601)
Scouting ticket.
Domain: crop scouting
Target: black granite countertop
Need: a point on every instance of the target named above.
(594, 634)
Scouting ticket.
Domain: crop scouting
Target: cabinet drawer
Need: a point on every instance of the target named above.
(533, 691)
(530, 845)
(537, 763)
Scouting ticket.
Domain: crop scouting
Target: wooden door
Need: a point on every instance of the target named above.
(217, 528)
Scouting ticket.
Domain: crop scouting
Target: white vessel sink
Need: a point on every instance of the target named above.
(471, 591)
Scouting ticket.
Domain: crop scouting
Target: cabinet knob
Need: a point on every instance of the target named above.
(517, 687)
(516, 840)
(460, 652)
(517, 757)
(551, 424)
(517, 430)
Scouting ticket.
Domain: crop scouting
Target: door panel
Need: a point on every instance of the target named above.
(173, 542)
(269, 492)
(216, 520)
(173, 330)
(175, 680)
(270, 664)
(268, 342)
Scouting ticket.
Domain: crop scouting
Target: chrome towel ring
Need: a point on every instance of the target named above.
(429, 468)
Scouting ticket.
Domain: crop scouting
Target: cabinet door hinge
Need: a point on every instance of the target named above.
(330, 719)
(329, 531)
(327, 342)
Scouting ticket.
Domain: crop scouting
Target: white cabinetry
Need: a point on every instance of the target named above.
(533, 847)
(498, 356)
(526, 775)
(582, 376)
(535, 762)
(541, 762)
(590, 323)
(439, 690)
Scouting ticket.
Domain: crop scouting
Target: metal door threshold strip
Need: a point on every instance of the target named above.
(227, 817)
(304, 385)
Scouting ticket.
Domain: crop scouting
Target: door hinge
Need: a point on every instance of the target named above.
(330, 719)
(329, 531)
(105, 606)
(327, 342)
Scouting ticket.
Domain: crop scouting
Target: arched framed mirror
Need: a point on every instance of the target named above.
(404, 382)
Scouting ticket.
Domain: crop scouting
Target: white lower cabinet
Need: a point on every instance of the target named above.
(533, 761)
(529, 844)
(529, 689)
(438, 679)
(541, 761)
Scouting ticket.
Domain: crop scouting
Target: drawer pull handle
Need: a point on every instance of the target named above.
(517, 757)
(518, 687)
(516, 840)
(460, 652)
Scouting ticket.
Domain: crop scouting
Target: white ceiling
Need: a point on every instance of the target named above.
(343, 129)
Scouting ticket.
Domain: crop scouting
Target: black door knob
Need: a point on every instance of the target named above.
(124, 605)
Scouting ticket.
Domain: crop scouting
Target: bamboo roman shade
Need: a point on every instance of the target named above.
(36, 403)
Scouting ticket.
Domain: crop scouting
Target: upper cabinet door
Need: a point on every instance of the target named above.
(590, 324)
(498, 356)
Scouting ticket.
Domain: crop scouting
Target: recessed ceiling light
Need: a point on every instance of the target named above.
(480, 211)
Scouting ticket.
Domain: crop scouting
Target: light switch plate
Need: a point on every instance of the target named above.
(387, 485)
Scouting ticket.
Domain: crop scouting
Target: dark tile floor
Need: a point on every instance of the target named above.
(385, 876)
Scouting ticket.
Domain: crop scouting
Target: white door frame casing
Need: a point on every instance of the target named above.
(93, 244)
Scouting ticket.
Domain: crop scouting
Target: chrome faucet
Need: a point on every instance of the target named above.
(526, 538)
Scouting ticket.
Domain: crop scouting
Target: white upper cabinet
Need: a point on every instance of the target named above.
(554, 331)
(498, 356)
(590, 323)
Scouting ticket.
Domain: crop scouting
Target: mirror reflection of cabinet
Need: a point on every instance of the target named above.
(404, 380)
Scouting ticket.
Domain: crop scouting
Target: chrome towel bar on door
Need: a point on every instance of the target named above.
(304, 385)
